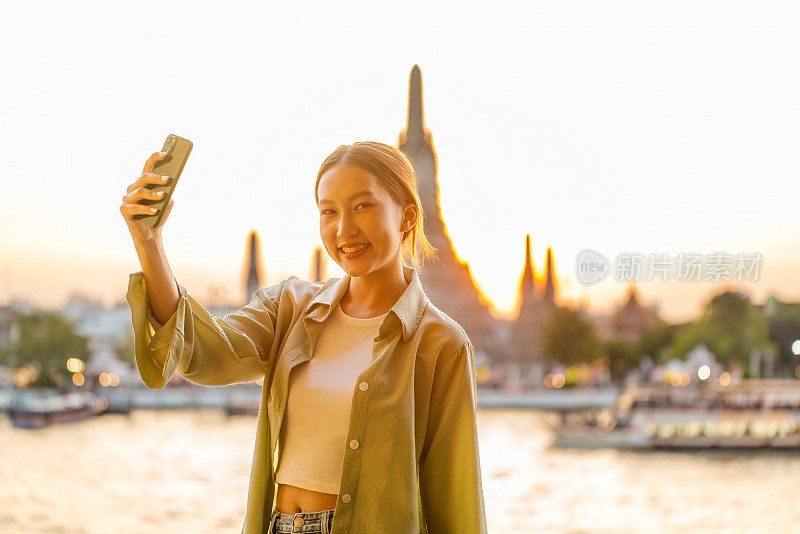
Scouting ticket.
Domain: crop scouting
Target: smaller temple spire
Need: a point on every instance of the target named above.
(632, 294)
(318, 265)
(549, 285)
(253, 266)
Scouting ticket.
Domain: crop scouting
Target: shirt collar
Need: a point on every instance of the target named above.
(408, 309)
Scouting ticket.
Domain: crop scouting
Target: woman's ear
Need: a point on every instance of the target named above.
(409, 217)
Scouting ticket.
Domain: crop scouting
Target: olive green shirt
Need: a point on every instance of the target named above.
(412, 461)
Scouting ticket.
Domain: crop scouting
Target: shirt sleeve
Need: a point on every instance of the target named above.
(204, 349)
(451, 487)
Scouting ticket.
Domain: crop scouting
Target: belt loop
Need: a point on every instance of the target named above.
(325, 518)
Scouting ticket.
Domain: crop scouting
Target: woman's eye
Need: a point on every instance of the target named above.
(324, 212)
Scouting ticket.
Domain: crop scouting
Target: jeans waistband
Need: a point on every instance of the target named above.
(302, 522)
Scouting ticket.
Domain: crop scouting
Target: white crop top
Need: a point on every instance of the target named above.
(314, 431)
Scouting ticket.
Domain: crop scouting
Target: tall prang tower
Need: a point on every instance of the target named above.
(448, 281)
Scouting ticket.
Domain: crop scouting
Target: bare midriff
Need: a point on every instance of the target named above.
(292, 499)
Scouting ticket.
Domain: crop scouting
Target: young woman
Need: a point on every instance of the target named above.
(369, 391)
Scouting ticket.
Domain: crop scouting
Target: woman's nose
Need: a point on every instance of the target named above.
(346, 228)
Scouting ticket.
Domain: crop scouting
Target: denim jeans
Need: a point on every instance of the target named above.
(306, 522)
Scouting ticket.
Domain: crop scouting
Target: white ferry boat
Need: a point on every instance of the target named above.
(750, 414)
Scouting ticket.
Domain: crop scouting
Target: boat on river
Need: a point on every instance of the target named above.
(33, 409)
(757, 413)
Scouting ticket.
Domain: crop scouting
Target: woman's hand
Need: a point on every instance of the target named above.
(137, 192)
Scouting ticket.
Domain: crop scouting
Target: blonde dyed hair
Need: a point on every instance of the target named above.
(397, 175)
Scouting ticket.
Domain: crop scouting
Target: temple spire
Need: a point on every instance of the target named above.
(528, 285)
(549, 286)
(416, 111)
(415, 136)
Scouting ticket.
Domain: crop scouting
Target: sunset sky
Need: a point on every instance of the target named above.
(619, 127)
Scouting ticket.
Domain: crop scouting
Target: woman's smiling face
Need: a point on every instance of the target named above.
(355, 209)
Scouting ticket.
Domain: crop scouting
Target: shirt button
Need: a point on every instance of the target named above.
(363, 386)
(299, 521)
(354, 444)
(346, 497)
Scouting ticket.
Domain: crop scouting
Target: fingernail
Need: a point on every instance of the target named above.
(164, 177)
(162, 153)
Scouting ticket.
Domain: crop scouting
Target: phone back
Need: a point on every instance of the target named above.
(178, 150)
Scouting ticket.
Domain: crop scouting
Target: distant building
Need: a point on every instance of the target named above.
(9, 328)
(526, 350)
(631, 319)
(80, 306)
(104, 360)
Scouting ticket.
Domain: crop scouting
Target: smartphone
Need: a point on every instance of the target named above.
(178, 150)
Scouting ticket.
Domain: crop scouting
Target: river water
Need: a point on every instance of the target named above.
(187, 471)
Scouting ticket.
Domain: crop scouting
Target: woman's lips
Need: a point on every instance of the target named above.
(355, 254)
